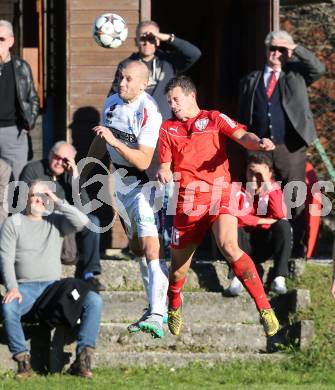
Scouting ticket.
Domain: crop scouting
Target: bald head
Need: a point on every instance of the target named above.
(134, 81)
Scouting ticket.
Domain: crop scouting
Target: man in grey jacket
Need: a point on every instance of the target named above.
(30, 247)
(19, 103)
(274, 103)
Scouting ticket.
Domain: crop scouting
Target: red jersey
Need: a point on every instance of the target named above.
(269, 204)
(197, 147)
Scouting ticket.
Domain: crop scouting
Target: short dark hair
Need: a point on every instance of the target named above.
(146, 23)
(260, 158)
(184, 82)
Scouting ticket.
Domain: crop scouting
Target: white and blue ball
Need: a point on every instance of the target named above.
(110, 30)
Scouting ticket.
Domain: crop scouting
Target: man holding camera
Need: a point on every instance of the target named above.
(61, 169)
(274, 103)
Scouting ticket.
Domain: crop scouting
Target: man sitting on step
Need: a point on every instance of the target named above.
(30, 247)
(61, 169)
(264, 232)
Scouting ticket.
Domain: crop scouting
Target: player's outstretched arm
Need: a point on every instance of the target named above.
(251, 141)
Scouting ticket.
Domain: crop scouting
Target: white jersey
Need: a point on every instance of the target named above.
(136, 123)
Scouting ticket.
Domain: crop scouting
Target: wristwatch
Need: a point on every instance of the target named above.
(171, 39)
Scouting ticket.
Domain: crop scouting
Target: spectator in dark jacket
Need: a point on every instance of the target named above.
(264, 231)
(163, 65)
(274, 103)
(19, 103)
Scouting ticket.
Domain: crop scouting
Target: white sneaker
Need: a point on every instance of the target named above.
(278, 285)
(236, 287)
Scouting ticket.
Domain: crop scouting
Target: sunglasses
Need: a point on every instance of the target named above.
(2, 39)
(281, 49)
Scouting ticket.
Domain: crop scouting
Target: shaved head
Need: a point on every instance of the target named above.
(135, 77)
(139, 69)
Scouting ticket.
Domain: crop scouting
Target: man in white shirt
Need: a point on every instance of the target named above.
(130, 127)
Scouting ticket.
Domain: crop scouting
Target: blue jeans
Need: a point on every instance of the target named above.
(13, 311)
(30, 291)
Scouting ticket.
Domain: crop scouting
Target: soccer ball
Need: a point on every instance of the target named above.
(110, 30)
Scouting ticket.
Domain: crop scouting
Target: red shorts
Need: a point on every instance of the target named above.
(190, 227)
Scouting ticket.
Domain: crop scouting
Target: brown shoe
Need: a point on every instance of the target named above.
(82, 365)
(24, 369)
(95, 284)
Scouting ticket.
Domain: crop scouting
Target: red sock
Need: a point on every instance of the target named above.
(174, 293)
(244, 268)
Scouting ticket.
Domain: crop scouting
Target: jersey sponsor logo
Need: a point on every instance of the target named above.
(109, 114)
(230, 122)
(201, 124)
(123, 136)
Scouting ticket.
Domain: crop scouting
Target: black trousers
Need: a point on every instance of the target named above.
(263, 244)
(290, 165)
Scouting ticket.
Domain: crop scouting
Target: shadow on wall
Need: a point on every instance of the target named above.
(84, 119)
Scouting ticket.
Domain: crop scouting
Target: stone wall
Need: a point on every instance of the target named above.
(313, 26)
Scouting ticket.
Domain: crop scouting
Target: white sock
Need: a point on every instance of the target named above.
(142, 261)
(159, 282)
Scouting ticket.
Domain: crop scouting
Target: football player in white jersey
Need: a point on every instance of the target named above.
(130, 127)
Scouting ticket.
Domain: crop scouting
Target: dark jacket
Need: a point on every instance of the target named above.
(61, 303)
(172, 63)
(298, 73)
(26, 93)
(40, 170)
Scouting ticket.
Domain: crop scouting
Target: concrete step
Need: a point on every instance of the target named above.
(205, 275)
(193, 338)
(212, 342)
(127, 306)
(177, 359)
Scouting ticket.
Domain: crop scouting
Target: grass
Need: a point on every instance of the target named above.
(311, 369)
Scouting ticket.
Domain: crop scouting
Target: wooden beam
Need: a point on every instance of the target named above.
(145, 10)
(275, 15)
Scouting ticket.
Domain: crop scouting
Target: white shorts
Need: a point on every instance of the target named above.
(137, 213)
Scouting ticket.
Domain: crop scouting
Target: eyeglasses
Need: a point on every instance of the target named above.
(60, 158)
(281, 49)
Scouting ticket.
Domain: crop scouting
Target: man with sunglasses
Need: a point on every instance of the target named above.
(162, 64)
(274, 103)
(61, 169)
(19, 103)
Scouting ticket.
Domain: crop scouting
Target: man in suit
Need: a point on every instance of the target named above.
(274, 103)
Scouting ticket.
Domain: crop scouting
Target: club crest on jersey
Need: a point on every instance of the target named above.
(201, 124)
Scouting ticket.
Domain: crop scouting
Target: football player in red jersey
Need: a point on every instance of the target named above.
(193, 144)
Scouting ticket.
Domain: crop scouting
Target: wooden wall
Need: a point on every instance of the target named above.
(90, 72)
(91, 68)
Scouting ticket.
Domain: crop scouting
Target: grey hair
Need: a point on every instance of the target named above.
(145, 23)
(8, 25)
(58, 144)
(278, 34)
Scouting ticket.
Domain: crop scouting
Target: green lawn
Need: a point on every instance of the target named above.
(312, 369)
